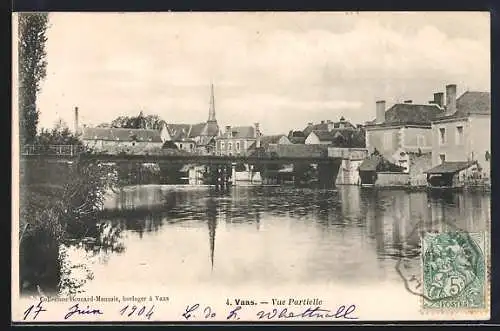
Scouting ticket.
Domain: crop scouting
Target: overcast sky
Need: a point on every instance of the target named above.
(282, 70)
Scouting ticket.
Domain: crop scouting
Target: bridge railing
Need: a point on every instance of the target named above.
(63, 150)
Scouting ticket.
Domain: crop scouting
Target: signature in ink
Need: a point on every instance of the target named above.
(317, 312)
(75, 310)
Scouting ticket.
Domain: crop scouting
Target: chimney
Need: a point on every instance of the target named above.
(257, 135)
(330, 125)
(76, 121)
(380, 116)
(451, 98)
(322, 122)
(310, 124)
(408, 101)
(439, 99)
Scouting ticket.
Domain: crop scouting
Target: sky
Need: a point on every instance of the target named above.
(281, 70)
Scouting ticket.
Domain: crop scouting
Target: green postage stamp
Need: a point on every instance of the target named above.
(455, 271)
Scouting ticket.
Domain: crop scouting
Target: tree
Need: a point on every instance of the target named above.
(140, 121)
(32, 70)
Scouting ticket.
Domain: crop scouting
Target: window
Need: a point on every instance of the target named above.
(237, 146)
(442, 136)
(180, 146)
(459, 139)
(222, 145)
(387, 140)
(229, 146)
(190, 146)
(420, 140)
(442, 157)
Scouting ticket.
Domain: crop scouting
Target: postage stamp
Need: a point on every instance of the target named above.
(184, 167)
(454, 270)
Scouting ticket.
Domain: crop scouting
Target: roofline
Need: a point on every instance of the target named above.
(383, 126)
(453, 118)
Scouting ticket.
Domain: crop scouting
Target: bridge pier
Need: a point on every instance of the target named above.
(327, 174)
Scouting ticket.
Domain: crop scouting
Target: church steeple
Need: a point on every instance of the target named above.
(211, 112)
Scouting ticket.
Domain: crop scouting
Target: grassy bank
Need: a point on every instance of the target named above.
(58, 204)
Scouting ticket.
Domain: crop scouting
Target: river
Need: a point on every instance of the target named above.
(159, 235)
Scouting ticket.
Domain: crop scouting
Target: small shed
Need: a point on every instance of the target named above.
(376, 163)
(451, 174)
(368, 170)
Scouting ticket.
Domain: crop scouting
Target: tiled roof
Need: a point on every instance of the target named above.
(241, 132)
(196, 129)
(474, 103)
(265, 141)
(274, 139)
(297, 140)
(324, 135)
(315, 127)
(402, 113)
(370, 163)
(118, 134)
(299, 150)
(325, 126)
(178, 131)
(450, 167)
(378, 163)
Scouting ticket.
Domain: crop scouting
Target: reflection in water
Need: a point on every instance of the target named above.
(212, 225)
(272, 234)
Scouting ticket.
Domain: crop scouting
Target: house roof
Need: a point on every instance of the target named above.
(474, 103)
(210, 129)
(470, 103)
(378, 163)
(325, 126)
(370, 163)
(299, 150)
(402, 113)
(297, 140)
(119, 134)
(242, 132)
(273, 139)
(178, 131)
(196, 129)
(409, 114)
(266, 140)
(450, 167)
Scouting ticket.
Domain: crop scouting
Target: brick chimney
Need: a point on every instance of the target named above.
(257, 135)
(451, 98)
(76, 122)
(439, 99)
(330, 125)
(380, 115)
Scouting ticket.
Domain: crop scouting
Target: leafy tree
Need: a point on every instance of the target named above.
(138, 122)
(32, 70)
(60, 134)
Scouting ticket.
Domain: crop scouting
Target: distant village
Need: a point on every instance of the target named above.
(445, 143)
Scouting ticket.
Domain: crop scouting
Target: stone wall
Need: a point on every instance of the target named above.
(391, 179)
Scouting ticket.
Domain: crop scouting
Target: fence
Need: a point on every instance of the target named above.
(63, 150)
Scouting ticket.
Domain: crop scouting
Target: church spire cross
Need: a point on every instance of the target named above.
(211, 112)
